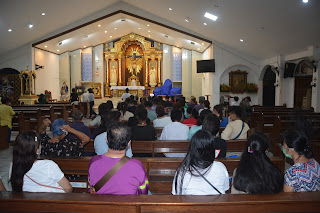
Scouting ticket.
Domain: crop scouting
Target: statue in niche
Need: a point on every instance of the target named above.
(153, 77)
(64, 91)
(113, 76)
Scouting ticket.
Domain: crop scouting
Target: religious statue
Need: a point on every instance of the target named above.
(136, 65)
(113, 76)
(153, 77)
(64, 91)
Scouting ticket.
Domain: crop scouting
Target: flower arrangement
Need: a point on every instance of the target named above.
(225, 88)
(252, 87)
(80, 89)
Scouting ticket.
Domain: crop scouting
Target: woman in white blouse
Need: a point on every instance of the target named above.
(32, 175)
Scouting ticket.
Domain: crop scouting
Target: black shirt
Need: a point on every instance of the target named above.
(74, 97)
(143, 133)
(220, 145)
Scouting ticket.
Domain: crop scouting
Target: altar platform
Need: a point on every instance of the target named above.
(117, 91)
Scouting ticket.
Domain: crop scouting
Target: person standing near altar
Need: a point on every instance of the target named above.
(91, 101)
(125, 95)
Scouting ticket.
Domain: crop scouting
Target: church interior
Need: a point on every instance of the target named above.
(267, 50)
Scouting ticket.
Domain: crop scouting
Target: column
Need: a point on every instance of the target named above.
(119, 68)
(147, 73)
(107, 71)
(159, 71)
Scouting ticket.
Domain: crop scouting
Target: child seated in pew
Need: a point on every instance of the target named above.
(211, 124)
(142, 131)
(130, 179)
(199, 173)
(32, 175)
(162, 118)
(100, 143)
(256, 174)
(200, 120)
(304, 175)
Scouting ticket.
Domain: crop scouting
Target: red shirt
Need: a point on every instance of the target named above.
(190, 122)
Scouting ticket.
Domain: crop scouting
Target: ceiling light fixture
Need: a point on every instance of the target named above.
(105, 31)
(202, 43)
(149, 36)
(45, 46)
(110, 36)
(123, 19)
(10, 30)
(58, 50)
(139, 28)
(60, 43)
(30, 26)
(115, 28)
(198, 48)
(149, 31)
(170, 8)
(305, 1)
(99, 25)
(205, 24)
(210, 16)
(43, 14)
(166, 36)
(84, 46)
(187, 19)
(148, 25)
(241, 39)
(192, 43)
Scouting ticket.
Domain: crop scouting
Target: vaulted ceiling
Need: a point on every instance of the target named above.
(267, 27)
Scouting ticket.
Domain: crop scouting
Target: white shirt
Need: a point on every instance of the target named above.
(126, 115)
(162, 122)
(233, 129)
(91, 97)
(96, 121)
(125, 96)
(235, 103)
(192, 185)
(45, 172)
(85, 97)
(175, 131)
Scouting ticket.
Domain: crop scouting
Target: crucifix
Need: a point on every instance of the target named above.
(134, 58)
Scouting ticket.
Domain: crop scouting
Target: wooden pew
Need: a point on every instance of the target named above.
(70, 202)
(156, 147)
(160, 171)
(4, 137)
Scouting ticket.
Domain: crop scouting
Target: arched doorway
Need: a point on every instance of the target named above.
(302, 89)
(269, 79)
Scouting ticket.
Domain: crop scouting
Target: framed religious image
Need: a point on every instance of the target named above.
(238, 81)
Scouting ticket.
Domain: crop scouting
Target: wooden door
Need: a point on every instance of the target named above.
(302, 84)
(269, 79)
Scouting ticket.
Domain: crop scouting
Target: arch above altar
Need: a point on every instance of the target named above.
(133, 61)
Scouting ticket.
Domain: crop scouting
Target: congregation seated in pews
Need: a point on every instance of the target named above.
(204, 167)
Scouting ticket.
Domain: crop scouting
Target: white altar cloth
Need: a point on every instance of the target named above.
(129, 87)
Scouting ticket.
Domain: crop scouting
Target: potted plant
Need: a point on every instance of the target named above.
(225, 88)
(252, 88)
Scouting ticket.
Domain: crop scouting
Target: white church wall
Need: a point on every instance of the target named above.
(64, 70)
(75, 67)
(47, 78)
(98, 66)
(166, 63)
(196, 77)
(186, 73)
(224, 60)
(17, 59)
(207, 86)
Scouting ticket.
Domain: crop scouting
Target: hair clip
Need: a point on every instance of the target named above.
(250, 150)
(35, 139)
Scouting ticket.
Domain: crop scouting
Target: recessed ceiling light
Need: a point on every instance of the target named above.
(205, 24)
(202, 43)
(139, 28)
(241, 40)
(105, 31)
(58, 50)
(110, 36)
(99, 25)
(198, 48)
(149, 35)
(177, 45)
(149, 31)
(148, 25)
(84, 46)
(45, 46)
(10, 30)
(305, 1)
(170, 8)
(186, 19)
(43, 14)
(115, 28)
(210, 16)
(30, 26)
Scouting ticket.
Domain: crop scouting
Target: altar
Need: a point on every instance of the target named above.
(117, 91)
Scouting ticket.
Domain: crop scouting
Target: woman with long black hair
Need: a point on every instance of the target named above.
(256, 174)
(32, 175)
(199, 173)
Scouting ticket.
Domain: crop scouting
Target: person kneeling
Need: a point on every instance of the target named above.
(129, 176)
